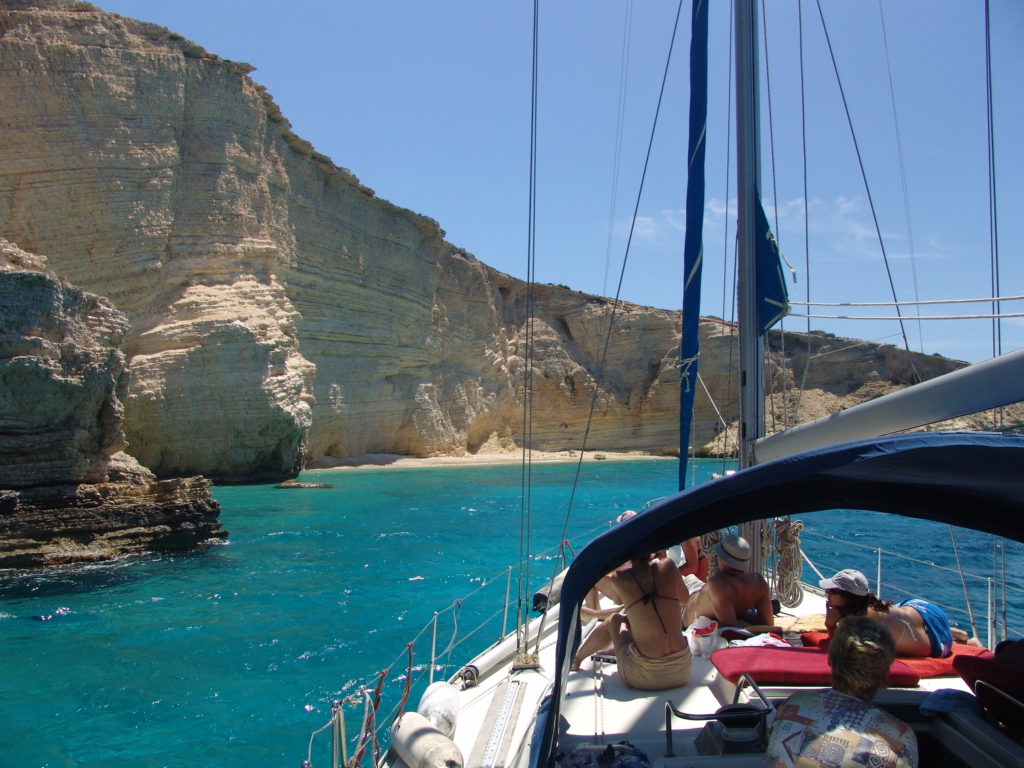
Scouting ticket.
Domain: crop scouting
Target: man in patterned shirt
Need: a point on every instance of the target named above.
(839, 728)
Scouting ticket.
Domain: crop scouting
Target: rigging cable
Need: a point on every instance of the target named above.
(775, 203)
(522, 615)
(905, 303)
(898, 316)
(622, 273)
(807, 236)
(903, 173)
(993, 220)
(725, 237)
(734, 339)
(620, 116)
(967, 597)
(867, 189)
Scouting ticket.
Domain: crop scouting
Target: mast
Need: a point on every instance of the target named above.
(748, 185)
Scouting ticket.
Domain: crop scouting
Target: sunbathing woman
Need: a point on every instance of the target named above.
(919, 627)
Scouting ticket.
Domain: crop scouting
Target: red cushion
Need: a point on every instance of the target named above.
(814, 639)
(924, 666)
(931, 667)
(792, 666)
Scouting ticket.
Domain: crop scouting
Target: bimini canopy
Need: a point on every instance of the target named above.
(971, 480)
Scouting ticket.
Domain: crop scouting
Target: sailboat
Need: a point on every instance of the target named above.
(519, 703)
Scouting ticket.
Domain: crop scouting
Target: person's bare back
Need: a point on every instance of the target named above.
(907, 628)
(651, 619)
(653, 596)
(731, 598)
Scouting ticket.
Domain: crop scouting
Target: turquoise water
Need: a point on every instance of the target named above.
(231, 656)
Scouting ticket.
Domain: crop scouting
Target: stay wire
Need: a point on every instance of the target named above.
(622, 272)
(734, 345)
(725, 237)
(619, 120)
(867, 189)
(728, 162)
(775, 203)
(522, 614)
(993, 219)
(903, 172)
(807, 235)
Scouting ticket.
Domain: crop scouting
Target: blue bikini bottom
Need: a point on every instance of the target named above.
(936, 624)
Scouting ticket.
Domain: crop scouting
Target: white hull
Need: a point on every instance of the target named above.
(497, 715)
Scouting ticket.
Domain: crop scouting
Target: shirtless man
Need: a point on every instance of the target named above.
(651, 651)
(734, 596)
(919, 627)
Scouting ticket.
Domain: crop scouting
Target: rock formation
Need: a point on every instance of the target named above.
(68, 492)
(278, 310)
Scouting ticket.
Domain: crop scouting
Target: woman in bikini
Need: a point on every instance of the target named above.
(920, 628)
(651, 651)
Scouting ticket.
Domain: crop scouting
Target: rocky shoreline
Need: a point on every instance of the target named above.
(56, 525)
(218, 300)
(68, 491)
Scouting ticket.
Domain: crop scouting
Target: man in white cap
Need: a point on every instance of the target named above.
(734, 596)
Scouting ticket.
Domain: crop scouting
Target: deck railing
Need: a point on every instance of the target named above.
(367, 689)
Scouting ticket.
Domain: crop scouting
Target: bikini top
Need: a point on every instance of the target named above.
(648, 597)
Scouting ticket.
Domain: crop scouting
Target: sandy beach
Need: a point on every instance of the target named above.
(385, 460)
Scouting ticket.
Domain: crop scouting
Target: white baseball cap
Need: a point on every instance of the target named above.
(848, 580)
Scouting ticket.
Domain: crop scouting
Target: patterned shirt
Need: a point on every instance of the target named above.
(828, 729)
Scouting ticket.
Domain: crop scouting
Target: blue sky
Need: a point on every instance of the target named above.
(428, 103)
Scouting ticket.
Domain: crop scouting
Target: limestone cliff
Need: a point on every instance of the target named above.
(68, 492)
(278, 309)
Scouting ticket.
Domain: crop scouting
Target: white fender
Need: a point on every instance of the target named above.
(440, 705)
(421, 745)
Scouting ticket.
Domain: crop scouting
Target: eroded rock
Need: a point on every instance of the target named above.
(68, 492)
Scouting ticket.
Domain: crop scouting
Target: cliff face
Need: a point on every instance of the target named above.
(67, 491)
(277, 309)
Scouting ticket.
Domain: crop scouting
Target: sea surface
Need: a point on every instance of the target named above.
(231, 656)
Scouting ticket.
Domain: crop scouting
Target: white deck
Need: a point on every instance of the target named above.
(599, 709)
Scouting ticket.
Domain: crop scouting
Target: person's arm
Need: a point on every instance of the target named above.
(586, 613)
(765, 615)
(832, 618)
(691, 554)
(759, 629)
(606, 585)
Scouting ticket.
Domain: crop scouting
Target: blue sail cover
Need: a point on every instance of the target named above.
(967, 479)
(693, 250)
(772, 297)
